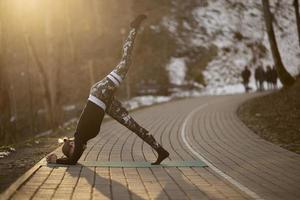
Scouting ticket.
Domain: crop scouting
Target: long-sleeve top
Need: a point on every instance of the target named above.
(87, 128)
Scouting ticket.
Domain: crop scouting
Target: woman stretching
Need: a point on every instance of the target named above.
(101, 101)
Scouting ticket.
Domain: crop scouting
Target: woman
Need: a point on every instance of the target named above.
(101, 101)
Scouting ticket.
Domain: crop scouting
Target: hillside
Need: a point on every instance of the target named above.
(236, 31)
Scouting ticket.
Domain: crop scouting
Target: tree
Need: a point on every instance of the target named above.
(296, 5)
(69, 31)
(7, 128)
(284, 76)
(51, 94)
(7, 131)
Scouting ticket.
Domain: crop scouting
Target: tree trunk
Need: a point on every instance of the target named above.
(96, 17)
(7, 129)
(50, 104)
(69, 32)
(90, 66)
(296, 5)
(30, 96)
(284, 76)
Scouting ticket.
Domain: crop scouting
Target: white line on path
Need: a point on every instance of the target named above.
(208, 163)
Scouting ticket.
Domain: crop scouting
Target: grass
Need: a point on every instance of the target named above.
(276, 117)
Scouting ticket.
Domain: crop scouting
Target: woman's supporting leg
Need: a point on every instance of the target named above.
(119, 113)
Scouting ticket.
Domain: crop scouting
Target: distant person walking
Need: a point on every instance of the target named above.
(102, 101)
(246, 73)
(269, 77)
(274, 78)
(259, 78)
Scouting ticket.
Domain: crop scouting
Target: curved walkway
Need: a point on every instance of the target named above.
(240, 164)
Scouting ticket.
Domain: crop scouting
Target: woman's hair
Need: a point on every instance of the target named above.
(66, 147)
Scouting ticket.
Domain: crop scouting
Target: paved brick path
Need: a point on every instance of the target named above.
(214, 131)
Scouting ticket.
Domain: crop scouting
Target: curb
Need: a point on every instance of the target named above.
(16, 185)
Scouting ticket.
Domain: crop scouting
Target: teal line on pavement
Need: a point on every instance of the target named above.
(132, 164)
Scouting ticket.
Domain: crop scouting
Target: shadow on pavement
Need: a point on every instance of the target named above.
(177, 186)
(96, 181)
(101, 185)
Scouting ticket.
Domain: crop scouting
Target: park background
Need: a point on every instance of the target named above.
(53, 51)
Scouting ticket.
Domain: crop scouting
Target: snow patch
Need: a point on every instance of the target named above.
(170, 24)
(226, 89)
(5, 151)
(69, 107)
(142, 101)
(177, 70)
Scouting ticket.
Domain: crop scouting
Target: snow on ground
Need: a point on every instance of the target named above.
(177, 70)
(4, 154)
(142, 101)
(5, 151)
(227, 89)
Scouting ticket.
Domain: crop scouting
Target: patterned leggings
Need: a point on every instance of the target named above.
(102, 94)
